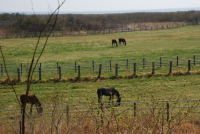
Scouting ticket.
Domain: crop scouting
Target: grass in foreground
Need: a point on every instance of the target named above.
(160, 87)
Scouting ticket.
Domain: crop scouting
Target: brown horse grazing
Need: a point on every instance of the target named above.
(33, 100)
(122, 40)
(114, 42)
(108, 92)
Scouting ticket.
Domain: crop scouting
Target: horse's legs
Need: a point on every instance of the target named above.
(31, 109)
(112, 98)
(124, 43)
(99, 98)
(109, 99)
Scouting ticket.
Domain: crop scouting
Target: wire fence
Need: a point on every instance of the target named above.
(101, 31)
(170, 106)
(104, 68)
(163, 112)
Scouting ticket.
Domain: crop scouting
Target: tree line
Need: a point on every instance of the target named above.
(17, 22)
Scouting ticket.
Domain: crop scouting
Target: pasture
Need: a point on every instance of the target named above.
(168, 42)
(149, 44)
(163, 88)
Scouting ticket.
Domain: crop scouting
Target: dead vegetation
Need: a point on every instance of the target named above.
(109, 120)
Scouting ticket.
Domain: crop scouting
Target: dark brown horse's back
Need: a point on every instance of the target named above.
(107, 91)
(30, 98)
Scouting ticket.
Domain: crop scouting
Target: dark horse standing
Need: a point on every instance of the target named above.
(123, 41)
(108, 92)
(33, 100)
(114, 42)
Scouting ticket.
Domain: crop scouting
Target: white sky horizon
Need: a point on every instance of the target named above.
(95, 5)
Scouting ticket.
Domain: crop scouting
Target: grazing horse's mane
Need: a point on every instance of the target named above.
(33, 100)
(108, 92)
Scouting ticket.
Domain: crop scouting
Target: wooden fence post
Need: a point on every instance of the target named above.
(143, 62)
(79, 71)
(127, 64)
(116, 70)
(170, 67)
(59, 70)
(110, 65)
(189, 65)
(21, 68)
(93, 65)
(100, 66)
(153, 67)
(177, 63)
(1, 69)
(153, 111)
(40, 74)
(194, 59)
(102, 112)
(75, 66)
(134, 108)
(160, 61)
(67, 108)
(167, 111)
(18, 73)
(134, 69)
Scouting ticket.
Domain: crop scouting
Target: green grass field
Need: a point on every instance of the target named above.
(179, 41)
(169, 42)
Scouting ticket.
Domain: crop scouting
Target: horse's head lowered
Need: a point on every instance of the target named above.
(118, 101)
(38, 105)
(39, 108)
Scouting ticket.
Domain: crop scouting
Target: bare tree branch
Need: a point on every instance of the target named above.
(32, 66)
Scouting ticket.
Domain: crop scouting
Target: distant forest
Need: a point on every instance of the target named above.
(76, 22)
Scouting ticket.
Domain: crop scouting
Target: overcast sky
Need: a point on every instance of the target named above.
(94, 5)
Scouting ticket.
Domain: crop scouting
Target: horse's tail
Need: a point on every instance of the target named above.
(98, 91)
(22, 98)
(99, 94)
(125, 42)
